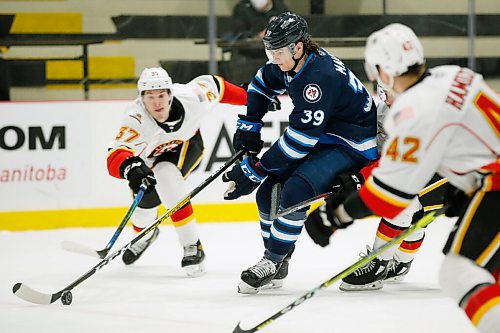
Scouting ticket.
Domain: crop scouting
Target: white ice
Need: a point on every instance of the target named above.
(154, 295)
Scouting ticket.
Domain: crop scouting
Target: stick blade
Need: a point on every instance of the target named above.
(31, 295)
(238, 329)
(80, 248)
(275, 201)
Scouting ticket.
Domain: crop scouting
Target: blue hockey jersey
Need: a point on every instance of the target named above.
(331, 106)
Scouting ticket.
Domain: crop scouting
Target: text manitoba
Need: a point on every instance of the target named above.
(31, 173)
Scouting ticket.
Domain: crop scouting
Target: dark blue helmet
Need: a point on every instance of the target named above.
(285, 29)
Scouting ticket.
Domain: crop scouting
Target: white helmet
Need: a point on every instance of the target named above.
(154, 78)
(395, 49)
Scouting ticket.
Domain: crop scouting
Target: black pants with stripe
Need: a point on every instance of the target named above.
(476, 234)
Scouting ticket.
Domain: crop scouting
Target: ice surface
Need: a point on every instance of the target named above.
(154, 295)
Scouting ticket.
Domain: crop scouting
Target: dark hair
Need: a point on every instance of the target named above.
(414, 70)
(144, 91)
(310, 45)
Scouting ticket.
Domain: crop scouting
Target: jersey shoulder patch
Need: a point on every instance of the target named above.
(134, 114)
(206, 87)
(411, 114)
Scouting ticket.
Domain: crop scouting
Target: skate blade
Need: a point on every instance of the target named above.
(274, 284)
(244, 288)
(366, 287)
(195, 270)
(395, 279)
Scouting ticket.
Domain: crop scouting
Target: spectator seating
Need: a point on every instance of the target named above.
(173, 33)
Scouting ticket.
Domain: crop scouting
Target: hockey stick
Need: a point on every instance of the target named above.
(28, 294)
(275, 201)
(335, 190)
(422, 223)
(83, 249)
(307, 202)
(303, 204)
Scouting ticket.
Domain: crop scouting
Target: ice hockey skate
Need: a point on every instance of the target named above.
(367, 277)
(193, 260)
(135, 251)
(397, 271)
(281, 274)
(259, 276)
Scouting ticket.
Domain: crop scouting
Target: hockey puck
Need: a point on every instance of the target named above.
(66, 297)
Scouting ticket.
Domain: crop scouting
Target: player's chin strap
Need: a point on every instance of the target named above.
(296, 62)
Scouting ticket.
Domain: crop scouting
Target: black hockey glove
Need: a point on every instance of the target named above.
(275, 104)
(243, 178)
(137, 172)
(417, 216)
(247, 136)
(318, 227)
(455, 201)
(345, 184)
(322, 223)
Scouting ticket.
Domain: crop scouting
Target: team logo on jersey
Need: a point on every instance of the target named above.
(165, 147)
(312, 93)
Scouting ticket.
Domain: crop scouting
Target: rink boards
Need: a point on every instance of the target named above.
(53, 164)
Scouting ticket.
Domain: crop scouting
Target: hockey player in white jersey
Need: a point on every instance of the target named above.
(391, 265)
(159, 144)
(444, 120)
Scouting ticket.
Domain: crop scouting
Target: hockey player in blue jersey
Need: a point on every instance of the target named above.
(332, 129)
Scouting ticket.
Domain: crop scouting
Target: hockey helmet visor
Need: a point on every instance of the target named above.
(281, 55)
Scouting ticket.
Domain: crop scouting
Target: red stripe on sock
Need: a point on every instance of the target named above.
(137, 229)
(411, 245)
(389, 230)
(480, 298)
(183, 213)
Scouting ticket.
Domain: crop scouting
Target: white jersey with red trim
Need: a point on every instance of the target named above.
(448, 123)
(141, 134)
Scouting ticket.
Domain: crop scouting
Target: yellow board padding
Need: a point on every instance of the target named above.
(116, 67)
(112, 67)
(47, 23)
(111, 217)
(63, 69)
(92, 86)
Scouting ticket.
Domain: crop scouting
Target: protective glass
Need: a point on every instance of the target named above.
(281, 55)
